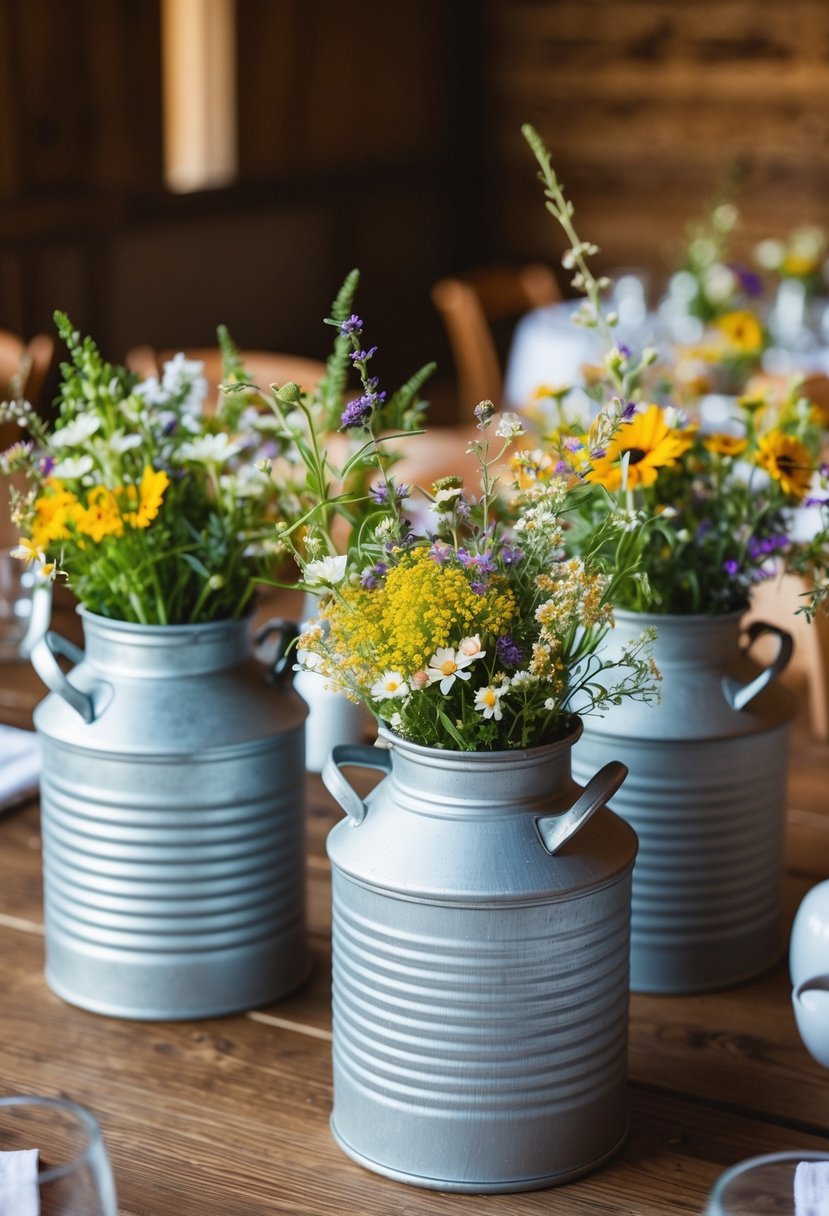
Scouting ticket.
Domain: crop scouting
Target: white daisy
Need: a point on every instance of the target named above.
(447, 665)
(488, 701)
(390, 685)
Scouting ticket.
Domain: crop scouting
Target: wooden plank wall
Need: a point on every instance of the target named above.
(387, 136)
(646, 105)
(348, 123)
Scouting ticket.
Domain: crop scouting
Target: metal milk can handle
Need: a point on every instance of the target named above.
(556, 830)
(43, 660)
(740, 695)
(281, 668)
(360, 755)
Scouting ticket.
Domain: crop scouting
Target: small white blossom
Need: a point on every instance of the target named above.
(121, 442)
(390, 685)
(77, 431)
(28, 552)
(447, 495)
(210, 449)
(509, 426)
(447, 665)
(471, 647)
(183, 379)
(720, 283)
(73, 468)
(384, 528)
(488, 701)
(325, 571)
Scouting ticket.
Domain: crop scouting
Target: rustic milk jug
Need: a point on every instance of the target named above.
(332, 718)
(172, 821)
(481, 907)
(706, 795)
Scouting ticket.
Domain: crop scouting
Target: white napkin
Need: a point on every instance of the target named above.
(19, 766)
(811, 1188)
(19, 1195)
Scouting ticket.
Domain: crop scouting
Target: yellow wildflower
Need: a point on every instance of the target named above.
(101, 517)
(424, 605)
(150, 496)
(649, 444)
(721, 444)
(786, 460)
(55, 509)
(742, 331)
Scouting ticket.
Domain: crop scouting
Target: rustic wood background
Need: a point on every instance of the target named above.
(387, 136)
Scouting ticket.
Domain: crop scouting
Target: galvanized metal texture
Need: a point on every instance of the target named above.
(173, 835)
(706, 796)
(480, 985)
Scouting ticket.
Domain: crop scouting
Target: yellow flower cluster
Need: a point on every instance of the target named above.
(422, 605)
(576, 594)
(59, 514)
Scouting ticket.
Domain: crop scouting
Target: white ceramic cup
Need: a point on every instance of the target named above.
(810, 1000)
(809, 942)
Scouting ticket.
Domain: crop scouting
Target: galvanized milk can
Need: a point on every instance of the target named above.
(706, 795)
(172, 820)
(480, 966)
(332, 718)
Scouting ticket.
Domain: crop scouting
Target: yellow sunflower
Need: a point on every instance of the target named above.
(721, 444)
(649, 443)
(786, 460)
(742, 331)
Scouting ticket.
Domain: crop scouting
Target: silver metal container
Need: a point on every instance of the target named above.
(172, 797)
(332, 718)
(706, 795)
(480, 957)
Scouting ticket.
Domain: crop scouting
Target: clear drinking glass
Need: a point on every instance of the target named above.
(72, 1175)
(25, 607)
(767, 1184)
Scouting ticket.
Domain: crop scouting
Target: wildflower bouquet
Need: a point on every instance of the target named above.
(721, 506)
(152, 510)
(326, 462)
(475, 633)
(800, 255)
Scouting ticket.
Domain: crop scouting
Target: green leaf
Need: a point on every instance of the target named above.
(450, 728)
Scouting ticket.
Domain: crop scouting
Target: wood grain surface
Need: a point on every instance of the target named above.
(229, 1117)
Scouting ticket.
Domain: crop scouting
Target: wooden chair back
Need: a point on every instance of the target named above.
(471, 304)
(24, 366)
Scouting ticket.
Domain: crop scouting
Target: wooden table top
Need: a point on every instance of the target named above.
(229, 1117)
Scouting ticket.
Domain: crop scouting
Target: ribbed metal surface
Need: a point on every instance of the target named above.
(707, 884)
(480, 1042)
(173, 881)
(706, 795)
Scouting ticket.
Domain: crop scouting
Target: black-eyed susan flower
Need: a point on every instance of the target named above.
(721, 443)
(639, 449)
(787, 461)
(742, 331)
